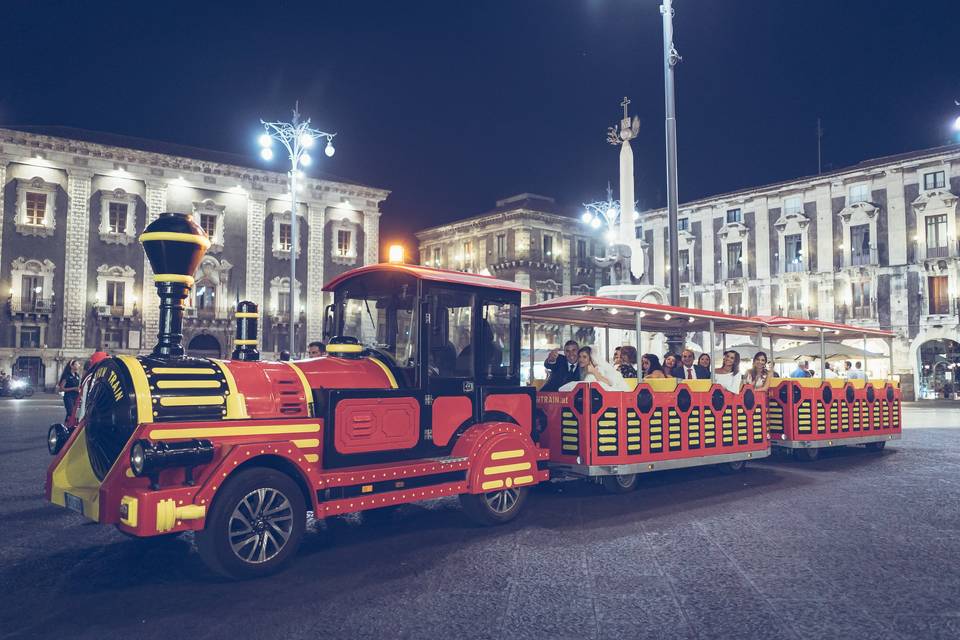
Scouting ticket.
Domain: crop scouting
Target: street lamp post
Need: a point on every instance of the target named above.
(297, 137)
(605, 213)
(670, 60)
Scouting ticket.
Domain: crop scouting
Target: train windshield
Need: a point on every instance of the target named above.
(385, 319)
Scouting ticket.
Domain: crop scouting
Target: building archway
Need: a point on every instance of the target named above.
(939, 362)
(204, 345)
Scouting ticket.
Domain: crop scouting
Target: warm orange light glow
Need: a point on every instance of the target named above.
(395, 254)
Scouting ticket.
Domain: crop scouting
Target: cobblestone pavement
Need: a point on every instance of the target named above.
(854, 545)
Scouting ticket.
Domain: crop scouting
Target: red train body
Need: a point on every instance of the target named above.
(419, 397)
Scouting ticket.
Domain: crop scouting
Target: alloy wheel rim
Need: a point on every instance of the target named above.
(260, 525)
(502, 501)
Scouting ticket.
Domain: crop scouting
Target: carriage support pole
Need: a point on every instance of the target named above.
(823, 359)
(637, 316)
(890, 352)
(713, 376)
(533, 328)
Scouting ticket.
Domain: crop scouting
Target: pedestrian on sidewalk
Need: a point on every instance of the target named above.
(69, 385)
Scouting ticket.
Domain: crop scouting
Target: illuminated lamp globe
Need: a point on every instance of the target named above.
(611, 212)
(395, 254)
(265, 140)
(956, 124)
(586, 217)
(595, 223)
(329, 150)
(306, 140)
(306, 160)
(266, 153)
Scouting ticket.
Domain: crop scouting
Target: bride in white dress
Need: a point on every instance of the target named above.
(603, 373)
(728, 375)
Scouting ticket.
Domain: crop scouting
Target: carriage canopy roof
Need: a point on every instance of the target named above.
(621, 314)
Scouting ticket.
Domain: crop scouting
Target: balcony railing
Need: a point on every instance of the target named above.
(735, 272)
(863, 258)
(938, 252)
(29, 304)
(794, 266)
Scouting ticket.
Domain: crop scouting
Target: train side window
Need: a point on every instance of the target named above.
(497, 326)
(451, 334)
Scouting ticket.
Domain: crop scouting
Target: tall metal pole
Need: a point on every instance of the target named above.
(294, 245)
(670, 59)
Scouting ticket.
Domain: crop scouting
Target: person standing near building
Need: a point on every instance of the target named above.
(69, 385)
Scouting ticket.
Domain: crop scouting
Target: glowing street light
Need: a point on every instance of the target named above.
(296, 137)
(395, 254)
(605, 213)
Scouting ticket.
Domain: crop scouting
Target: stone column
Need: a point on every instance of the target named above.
(256, 216)
(316, 252)
(75, 258)
(156, 197)
(371, 238)
(824, 240)
(3, 185)
(659, 251)
(708, 259)
(896, 218)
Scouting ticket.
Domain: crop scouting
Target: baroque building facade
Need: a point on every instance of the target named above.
(75, 278)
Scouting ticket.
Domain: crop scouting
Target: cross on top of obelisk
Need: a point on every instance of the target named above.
(626, 101)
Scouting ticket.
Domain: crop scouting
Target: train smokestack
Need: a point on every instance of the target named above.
(174, 244)
(246, 341)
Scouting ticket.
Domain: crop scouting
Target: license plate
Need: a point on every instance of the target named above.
(73, 502)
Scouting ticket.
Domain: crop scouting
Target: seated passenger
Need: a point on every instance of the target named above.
(728, 376)
(600, 372)
(628, 361)
(650, 366)
(671, 368)
(704, 361)
(757, 376)
(616, 357)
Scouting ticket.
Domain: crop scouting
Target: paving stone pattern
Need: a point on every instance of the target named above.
(855, 545)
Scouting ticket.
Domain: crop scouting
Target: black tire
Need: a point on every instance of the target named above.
(18, 395)
(29, 391)
(243, 498)
(876, 446)
(806, 455)
(496, 507)
(729, 468)
(620, 484)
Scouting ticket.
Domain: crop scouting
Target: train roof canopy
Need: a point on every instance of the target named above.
(428, 273)
(802, 329)
(621, 314)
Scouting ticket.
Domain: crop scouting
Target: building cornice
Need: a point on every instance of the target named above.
(491, 219)
(160, 165)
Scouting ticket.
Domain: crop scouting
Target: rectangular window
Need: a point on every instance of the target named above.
(500, 320)
(115, 296)
(939, 301)
(793, 246)
(30, 337)
(735, 260)
(734, 215)
(467, 252)
(208, 222)
(934, 180)
(860, 299)
(547, 295)
(858, 193)
(936, 236)
(451, 335)
(501, 246)
(382, 316)
(683, 257)
(113, 338)
(206, 299)
(683, 224)
(860, 244)
(581, 253)
(735, 303)
(36, 208)
(637, 233)
(31, 292)
(283, 302)
(436, 256)
(118, 217)
(548, 247)
(344, 240)
(792, 205)
(794, 302)
(285, 238)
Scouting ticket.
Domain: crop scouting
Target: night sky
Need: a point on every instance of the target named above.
(454, 104)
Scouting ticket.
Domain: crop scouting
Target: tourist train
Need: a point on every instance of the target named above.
(419, 396)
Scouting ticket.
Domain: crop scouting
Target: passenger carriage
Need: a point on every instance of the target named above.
(661, 424)
(806, 415)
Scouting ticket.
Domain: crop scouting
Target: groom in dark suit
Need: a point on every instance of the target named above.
(688, 370)
(562, 370)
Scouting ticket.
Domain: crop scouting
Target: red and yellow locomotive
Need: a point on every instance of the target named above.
(238, 451)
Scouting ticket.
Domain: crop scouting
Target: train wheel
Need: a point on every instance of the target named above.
(620, 484)
(732, 467)
(255, 524)
(876, 446)
(496, 507)
(806, 455)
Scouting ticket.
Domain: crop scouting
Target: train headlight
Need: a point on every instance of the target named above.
(57, 436)
(138, 457)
